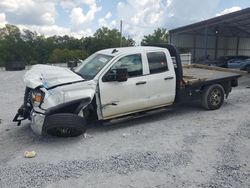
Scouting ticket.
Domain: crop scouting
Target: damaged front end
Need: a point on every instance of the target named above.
(51, 90)
(24, 112)
(32, 99)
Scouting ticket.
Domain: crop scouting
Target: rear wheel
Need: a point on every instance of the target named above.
(213, 97)
(64, 125)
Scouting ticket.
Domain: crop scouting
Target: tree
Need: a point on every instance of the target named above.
(32, 48)
(158, 37)
(105, 38)
(64, 55)
(12, 45)
(29, 38)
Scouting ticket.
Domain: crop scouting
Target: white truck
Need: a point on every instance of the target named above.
(117, 82)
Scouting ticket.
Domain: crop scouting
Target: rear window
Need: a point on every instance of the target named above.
(157, 62)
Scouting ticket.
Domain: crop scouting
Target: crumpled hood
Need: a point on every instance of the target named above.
(49, 76)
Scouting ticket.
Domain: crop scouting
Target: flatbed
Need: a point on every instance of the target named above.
(199, 73)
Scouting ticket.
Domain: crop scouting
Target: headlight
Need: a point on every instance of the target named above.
(37, 97)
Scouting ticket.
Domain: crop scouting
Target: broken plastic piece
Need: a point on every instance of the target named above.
(29, 154)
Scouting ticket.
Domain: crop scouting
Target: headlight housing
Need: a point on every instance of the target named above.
(37, 97)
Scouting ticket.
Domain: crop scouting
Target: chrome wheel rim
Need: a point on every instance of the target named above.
(215, 97)
(64, 130)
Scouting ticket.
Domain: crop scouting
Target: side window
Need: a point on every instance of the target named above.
(133, 63)
(157, 62)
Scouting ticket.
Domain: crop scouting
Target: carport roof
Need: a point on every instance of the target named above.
(236, 24)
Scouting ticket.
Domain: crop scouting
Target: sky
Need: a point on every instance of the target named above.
(80, 18)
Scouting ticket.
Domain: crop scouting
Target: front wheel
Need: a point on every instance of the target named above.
(213, 97)
(64, 125)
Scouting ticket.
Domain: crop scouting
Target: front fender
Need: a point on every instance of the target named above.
(73, 107)
(68, 95)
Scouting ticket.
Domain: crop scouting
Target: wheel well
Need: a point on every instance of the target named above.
(91, 111)
(72, 107)
(226, 86)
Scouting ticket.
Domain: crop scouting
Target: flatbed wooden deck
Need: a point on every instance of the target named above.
(197, 73)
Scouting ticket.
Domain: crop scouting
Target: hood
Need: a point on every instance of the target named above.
(49, 76)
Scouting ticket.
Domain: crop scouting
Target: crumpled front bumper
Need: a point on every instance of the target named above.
(37, 121)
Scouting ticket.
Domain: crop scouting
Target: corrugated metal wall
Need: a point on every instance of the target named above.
(244, 46)
(226, 45)
(182, 41)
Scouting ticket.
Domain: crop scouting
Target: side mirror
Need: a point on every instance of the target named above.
(120, 75)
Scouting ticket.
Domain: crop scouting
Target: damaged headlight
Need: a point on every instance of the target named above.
(37, 97)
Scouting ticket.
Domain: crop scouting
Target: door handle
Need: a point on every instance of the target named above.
(140, 83)
(169, 78)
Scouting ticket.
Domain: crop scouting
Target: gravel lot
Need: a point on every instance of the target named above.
(184, 147)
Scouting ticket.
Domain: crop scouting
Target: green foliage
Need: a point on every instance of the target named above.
(64, 55)
(105, 38)
(160, 36)
(31, 48)
(11, 45)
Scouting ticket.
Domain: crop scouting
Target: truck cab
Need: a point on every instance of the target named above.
(146, 80)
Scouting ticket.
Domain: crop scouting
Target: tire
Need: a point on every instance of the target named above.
(64, 125)
(213, 97)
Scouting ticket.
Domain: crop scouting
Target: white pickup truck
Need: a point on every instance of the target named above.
(117, 82)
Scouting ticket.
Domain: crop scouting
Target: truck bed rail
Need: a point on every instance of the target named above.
(215, 68)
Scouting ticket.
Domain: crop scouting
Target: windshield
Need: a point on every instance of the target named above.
(92, 65)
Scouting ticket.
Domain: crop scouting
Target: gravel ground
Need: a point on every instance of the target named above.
(184, 147)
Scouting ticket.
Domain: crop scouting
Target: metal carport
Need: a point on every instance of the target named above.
(220, 36)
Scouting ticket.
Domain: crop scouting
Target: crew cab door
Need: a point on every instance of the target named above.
(161, 79)
(118, 98)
